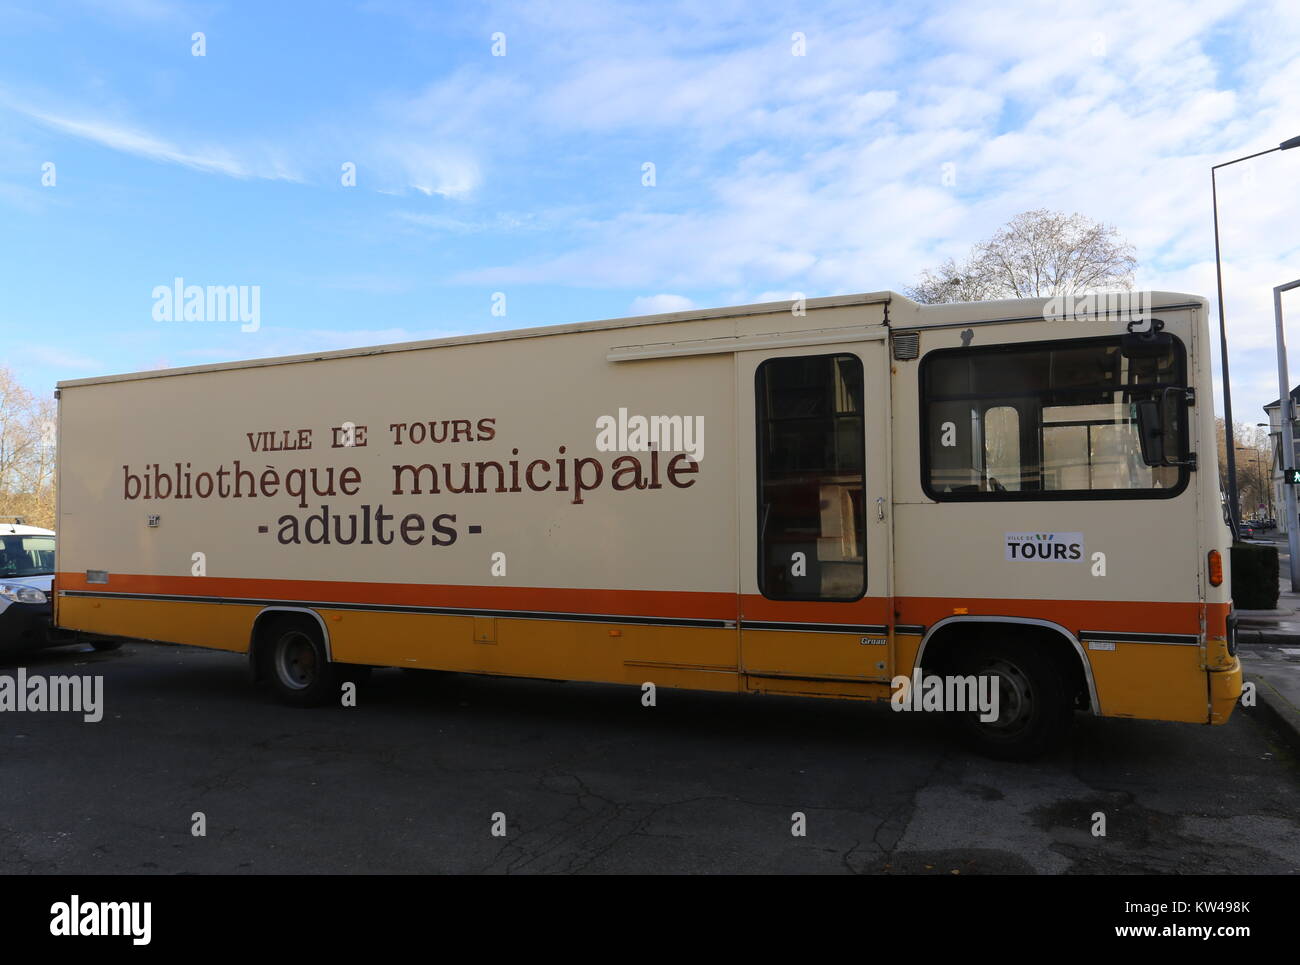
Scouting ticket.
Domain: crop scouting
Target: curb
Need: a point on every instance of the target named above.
(1254, 636)
(1263, 617)
(1277, 710)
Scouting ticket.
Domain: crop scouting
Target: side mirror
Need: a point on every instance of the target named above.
(1160, 428)
(1154, 344)
(1151, 434)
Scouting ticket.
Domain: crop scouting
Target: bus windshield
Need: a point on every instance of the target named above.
(26, 555)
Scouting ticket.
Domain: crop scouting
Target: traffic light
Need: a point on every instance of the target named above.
(1291, 476)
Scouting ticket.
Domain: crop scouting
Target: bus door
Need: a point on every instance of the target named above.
(814, 521)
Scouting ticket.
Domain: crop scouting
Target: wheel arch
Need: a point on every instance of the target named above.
(945, 630)
(264, 617)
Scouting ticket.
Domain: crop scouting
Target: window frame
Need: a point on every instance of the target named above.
(1012, 395)
(760, 460)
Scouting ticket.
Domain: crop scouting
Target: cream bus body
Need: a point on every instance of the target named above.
(837, 519)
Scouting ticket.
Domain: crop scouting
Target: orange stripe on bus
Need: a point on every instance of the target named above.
(874, 610)
(1096, 615)
(1100, 615)
(707, 606)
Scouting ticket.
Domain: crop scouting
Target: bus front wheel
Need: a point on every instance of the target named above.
(298, 666)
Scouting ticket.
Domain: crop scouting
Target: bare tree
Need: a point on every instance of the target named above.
(1254, 467)
(26, 453)
(1037, 254)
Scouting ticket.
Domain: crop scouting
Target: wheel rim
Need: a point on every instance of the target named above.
(296, 660)
(1017, 701)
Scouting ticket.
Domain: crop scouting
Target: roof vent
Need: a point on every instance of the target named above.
(907, 346)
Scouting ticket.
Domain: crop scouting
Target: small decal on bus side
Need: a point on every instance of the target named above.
(1032, 547)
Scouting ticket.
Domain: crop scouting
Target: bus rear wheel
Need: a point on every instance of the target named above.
(1035, 709)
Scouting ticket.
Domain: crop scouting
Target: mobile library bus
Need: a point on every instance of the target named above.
(809, 498)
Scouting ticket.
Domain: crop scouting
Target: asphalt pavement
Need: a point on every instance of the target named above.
(453, 773)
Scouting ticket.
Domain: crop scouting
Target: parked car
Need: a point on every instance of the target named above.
(26, 586)
(26, 575)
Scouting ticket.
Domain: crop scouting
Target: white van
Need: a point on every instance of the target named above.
(26, 575)
(27, 563)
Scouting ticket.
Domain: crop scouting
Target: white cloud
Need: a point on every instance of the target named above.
(141, 144)
(824, 174)
(430, 170)
(660, 304)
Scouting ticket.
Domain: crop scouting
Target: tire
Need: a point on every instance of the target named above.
(1035, 709)
(298, 667)
(104, 646)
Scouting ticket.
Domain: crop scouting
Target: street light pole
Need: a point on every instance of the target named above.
(1230, 440)
(1288, 437)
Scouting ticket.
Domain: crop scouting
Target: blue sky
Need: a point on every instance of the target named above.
(522, 174)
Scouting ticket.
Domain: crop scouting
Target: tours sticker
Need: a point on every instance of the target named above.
(1060, 547)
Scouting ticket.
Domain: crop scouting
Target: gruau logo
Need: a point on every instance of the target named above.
(1049, 547)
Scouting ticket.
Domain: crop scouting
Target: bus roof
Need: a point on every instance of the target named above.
(924, 316)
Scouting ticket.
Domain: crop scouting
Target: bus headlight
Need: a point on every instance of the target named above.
(17, 593)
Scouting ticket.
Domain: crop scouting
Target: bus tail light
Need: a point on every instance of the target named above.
(1216, 568)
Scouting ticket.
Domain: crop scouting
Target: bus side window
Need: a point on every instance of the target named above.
(810, 478)
(1001, 448)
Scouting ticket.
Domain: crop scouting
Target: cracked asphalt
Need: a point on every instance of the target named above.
(588, 780)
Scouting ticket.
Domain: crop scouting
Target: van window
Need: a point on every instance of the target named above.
(1042, 420)
(26, 555)
(811, 544)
